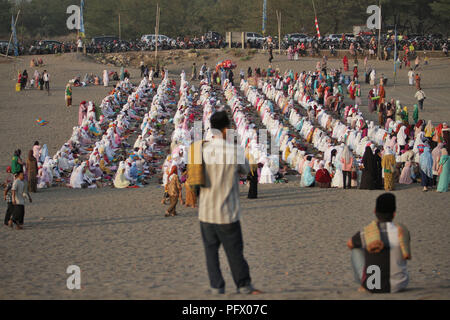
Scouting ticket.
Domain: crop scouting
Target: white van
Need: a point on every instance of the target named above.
(254, 37)
(150, 38)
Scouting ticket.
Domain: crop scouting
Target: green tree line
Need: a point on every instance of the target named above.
(47, 18)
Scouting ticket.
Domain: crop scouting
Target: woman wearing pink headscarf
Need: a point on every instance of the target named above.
(436, 155)
(405, 177)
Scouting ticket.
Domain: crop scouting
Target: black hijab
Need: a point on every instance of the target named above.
(369, 172)
(369, 160)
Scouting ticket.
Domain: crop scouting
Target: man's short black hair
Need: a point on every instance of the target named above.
(219, 120)
(385, 207)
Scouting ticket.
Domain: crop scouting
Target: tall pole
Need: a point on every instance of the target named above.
(10, 38)
(156, 31)
(279, 31)
(379, 32)
(316, 23)
(120, 31)
(264, 17)
(395, 51)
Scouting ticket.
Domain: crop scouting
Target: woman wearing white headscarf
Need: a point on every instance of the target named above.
(76, 179)
(43, 153)
(120, 181)
(266, 174)
(372, 77)
(105, 78)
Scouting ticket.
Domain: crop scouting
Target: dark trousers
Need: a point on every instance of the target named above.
(230, 236)
(9, 212)
(47, 85)
(421, 104)
(18, 214)
(347, 177)
(426, 180)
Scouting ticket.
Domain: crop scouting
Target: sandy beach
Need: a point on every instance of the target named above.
(295, 238)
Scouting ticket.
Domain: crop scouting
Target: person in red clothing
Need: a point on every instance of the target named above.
(345, 62)
(323, 177)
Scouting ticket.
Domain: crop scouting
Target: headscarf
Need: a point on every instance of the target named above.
(307, 177)
(387, 151)
(120, 181)
(369, 160)
(429, 129)
(426, 162)
(346, 154)
(436, 154)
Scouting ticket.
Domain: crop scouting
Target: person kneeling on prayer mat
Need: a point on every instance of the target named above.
(323, 177)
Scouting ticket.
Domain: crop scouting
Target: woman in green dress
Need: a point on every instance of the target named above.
(416, 114)
(444, 175)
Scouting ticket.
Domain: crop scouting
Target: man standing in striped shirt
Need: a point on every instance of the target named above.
(219, 208)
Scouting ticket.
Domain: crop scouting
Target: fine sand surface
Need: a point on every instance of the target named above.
(295, 239)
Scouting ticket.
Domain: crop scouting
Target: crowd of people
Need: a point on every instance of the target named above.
(39, 80)
(320, 137)
(313, 104)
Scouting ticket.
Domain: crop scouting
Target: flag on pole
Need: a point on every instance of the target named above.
(81, 33)
(317, 28)
(395, 54)
(15, 42)
(264, 17)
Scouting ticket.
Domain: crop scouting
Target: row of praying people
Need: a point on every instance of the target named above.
(359, 129)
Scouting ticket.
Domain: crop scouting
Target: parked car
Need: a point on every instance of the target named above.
(297, 37)
(214, 36)
(104, 39)
(45, 47)
(4, 47)
(349, 36)
(254, 37)
(333, 37)
(150, 39)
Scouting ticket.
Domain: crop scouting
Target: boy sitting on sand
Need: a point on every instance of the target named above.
(380, 251)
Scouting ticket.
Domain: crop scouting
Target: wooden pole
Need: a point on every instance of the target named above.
(120, 31)
(10, 38)
(157, 31)
(379, 33)
(279, 31)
